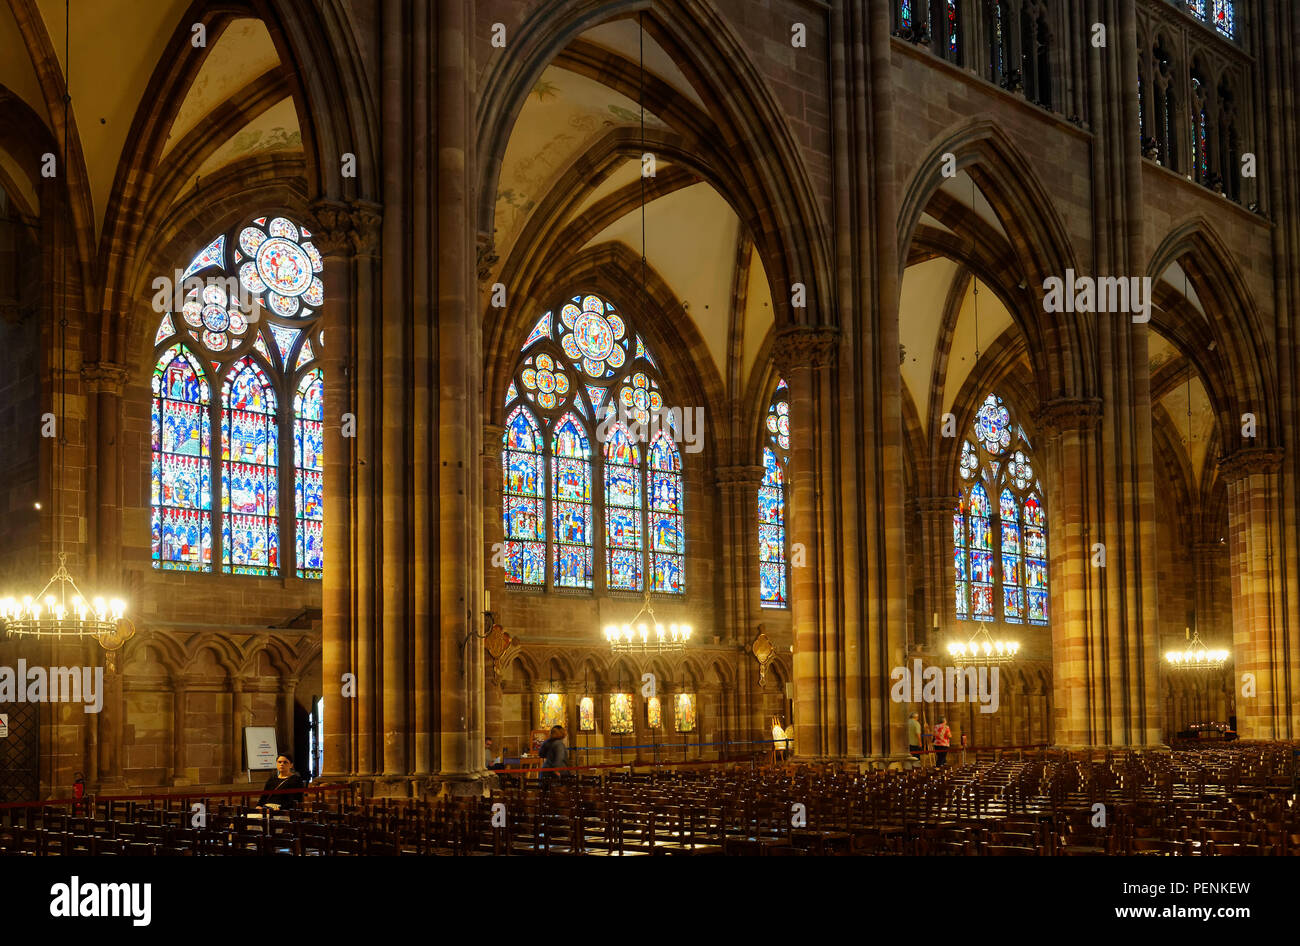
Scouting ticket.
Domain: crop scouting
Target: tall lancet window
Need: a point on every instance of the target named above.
(309, 473)
(773, 569)
(243, 323)
(590, 449)
(249, 472)
(182, 464)
(999, 526)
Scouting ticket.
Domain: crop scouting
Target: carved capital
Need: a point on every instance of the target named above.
(341, 227)
(805, 347)
(1249, 461)
(1069, 413)
(104, 377)
(486, 255)
(936, 505)
(738, 475)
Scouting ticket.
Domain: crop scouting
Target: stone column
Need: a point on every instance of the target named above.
(284, 716)
(937, 567)
(826, 654)
(238, 711)
(493, 574)
(104, 383)
(738, 492)
(109, 724)
(459, 531)
(1260, 645)
(1068, 431)
(180, 690)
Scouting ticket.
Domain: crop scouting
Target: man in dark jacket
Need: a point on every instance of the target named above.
(554, 754)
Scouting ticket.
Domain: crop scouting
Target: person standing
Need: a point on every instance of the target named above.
(554, 754)
(914, 736)
(942, 737)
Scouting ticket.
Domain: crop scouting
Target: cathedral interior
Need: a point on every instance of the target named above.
(709, 378)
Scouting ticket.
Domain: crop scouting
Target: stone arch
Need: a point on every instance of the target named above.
(1036, 233)
(792, 236)
(1238, 374)
(610, 270)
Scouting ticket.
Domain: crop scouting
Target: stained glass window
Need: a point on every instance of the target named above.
(586, 714)
(620, 713)
(524, 500)
(1225, 17)
(266, 270)
(596, 418)
(550, 710)
(571, 472)
(684, 712)
(309, 474)
(250, 472)
(622, 510)
(182, 466)
(653, 713)
(950, 22)
(999, 549)
(773, 573)
(667, 524)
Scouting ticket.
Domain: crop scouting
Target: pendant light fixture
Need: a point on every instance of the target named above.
(60, 610)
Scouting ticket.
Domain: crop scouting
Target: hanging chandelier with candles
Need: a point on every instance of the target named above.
(60, 610)
(645, 635)
(983, 650)
(1196, 656)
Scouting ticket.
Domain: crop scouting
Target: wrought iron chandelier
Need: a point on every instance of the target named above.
(1197, 656)
(982, 649)
(647, 636)
(63, 612)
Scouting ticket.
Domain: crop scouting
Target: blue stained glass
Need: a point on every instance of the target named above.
(623, 507)
(309, 474)
(952, 25)
(214, 254)
(571, 471)
(773, 574)
(249, 472)
(905, 14)
(1225, 17)
(181, 494)
(523, 507)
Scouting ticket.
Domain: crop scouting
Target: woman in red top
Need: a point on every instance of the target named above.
(942, 737)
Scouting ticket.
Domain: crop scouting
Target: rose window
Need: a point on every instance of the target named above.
(640, 398)
(595, 336)
(778, 423)
(276, 265)
(215, 317)
(993, 424)
(543, 377)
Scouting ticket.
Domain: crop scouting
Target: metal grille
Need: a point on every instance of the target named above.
(20, 753)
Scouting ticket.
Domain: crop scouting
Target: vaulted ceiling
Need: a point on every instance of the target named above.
(117, 48)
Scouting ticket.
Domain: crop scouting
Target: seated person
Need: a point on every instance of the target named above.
(284, 778)
(491, 756)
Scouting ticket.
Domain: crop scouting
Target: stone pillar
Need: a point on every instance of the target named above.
(459, 532)
(238, 712)
(493, 575)
(738, 492)
(826, 654)
(104, 383)
(1068, 432)
(284, 716)
(109, 724)
(347, 236)
(180, 690)
(938, 569)
(1260, 645)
